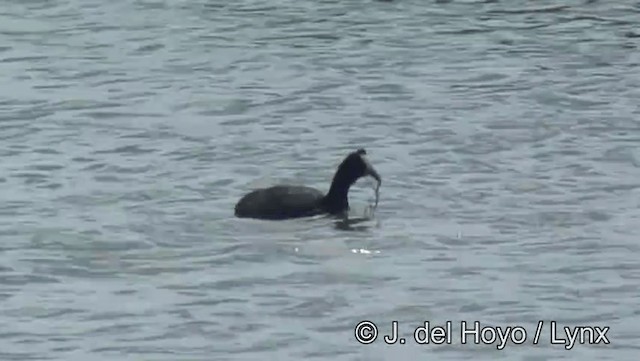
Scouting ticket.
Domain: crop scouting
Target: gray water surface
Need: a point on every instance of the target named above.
(506, 134)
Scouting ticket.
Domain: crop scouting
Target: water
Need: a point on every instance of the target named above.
(506, 135)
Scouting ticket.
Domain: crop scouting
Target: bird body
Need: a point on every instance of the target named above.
(280, 202)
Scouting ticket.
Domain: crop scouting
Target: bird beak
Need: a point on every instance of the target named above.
(372, 171)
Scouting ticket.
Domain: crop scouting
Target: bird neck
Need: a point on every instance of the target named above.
(337, 199)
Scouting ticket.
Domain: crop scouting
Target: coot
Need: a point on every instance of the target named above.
(289, 201)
